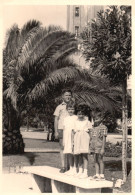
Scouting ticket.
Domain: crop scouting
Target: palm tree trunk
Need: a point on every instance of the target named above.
(124, 128)
(12, 138)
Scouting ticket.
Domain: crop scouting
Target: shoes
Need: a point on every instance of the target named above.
(70, 172)
(62, 170)
(78, 174)
(91, 178)
(83, 176)
(102, 178)
(95, 177)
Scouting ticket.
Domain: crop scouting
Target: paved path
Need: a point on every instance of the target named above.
(41, 150)
(113, 138)
(16, 183)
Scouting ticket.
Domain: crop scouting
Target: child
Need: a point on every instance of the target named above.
(97, 144)
(60, 113)
(81, 142)
(68, 126)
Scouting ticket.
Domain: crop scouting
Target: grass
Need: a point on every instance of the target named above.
(113, 165)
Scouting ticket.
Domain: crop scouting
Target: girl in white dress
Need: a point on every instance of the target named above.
(81, 142)
(69, 122)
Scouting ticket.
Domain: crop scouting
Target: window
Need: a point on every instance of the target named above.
(76, 30)
(76, 11)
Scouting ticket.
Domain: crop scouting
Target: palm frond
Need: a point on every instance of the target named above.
(55, 54)
(31, 24)
(36, 45)
(61, 75)
(11, 43)
(52, 65)
(65, 53)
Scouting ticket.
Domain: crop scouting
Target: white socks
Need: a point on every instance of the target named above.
(102, 175)
(80, 169)
(85, 171)
(71, 168)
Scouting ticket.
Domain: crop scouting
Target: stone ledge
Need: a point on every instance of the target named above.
(53, 173)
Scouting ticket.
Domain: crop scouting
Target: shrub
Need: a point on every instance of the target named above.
(115, 150)
(110, 122)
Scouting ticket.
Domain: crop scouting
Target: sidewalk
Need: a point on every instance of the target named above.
(113, 138)
(16, 183)
(41, 150)
(34, 134)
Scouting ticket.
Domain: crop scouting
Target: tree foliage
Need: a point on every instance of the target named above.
(36, 68)
(107, 43)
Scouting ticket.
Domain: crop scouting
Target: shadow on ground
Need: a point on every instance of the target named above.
(31, 157)
(116, 165)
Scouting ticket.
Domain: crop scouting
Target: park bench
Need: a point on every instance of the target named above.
(48, 179)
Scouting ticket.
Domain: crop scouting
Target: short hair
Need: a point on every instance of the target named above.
(66, 90)
(83, 108)
(71, 104)
(98, 111)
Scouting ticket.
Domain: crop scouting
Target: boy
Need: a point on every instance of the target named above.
(60, 113)
(97, 144)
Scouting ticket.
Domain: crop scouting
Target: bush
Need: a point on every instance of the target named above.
(115, 150)
(110, 122)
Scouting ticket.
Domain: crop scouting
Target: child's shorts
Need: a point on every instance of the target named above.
(60, 135)
(95, 147)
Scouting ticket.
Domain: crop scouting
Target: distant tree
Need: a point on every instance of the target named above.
(107, 46)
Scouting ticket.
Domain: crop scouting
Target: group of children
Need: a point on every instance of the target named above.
(78, 137)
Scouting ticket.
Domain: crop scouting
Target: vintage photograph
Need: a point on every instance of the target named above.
(67, 98)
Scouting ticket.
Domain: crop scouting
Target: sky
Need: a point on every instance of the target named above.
(46, 14)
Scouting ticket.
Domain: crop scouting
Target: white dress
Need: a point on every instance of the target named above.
(82, 137)
(69, 122)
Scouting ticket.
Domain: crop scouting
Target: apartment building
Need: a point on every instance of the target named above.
(79, 15)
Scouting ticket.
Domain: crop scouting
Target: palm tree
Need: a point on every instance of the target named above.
(27, 59)
(26, 55)
(35, 68)
(12, 139)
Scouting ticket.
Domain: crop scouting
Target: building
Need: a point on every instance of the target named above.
(79, 15)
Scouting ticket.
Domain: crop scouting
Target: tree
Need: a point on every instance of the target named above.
(12, 139)
(36, 68)
(107, 45)
(28, 53)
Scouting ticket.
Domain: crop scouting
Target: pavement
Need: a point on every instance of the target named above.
(113, 138)
(16, 183)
